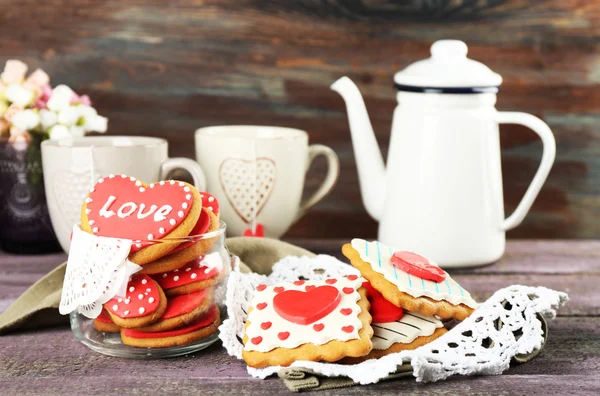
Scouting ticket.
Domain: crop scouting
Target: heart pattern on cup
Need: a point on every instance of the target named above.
(248, 184)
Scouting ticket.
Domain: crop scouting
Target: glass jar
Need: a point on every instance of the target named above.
(172, 307)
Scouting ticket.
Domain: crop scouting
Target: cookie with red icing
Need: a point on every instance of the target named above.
(409, 280)
(104, 323)
(182, 310)
(323, 320)
(198, 274)
(204, 326)
(187, 251)
(124, 207)
(144, 303)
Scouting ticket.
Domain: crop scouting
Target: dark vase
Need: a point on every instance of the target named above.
(24, 221)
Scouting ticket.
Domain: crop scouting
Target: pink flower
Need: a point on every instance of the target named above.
(83, 99)
(42, 100)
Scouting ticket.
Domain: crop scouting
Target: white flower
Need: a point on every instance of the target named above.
(48, 118)
(19, 95)
(58, 132)
(60, 99)
(92, 122)
(69, 116)
(26, 120)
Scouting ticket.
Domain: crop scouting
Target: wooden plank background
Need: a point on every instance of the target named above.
(165, 68)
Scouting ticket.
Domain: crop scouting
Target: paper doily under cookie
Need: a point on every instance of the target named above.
(478, 345)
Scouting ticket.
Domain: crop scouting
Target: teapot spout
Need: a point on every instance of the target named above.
(371, 170)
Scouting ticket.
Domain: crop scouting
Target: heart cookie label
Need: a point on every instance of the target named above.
(306, 307)
(123, 207)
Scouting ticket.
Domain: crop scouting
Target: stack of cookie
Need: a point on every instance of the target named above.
(398, 305)
(170, 301)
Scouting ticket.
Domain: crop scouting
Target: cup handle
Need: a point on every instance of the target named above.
(333, 172)
(548, 155)
(170, 164)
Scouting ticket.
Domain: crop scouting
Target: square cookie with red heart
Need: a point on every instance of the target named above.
(409, 280)
(323, 320)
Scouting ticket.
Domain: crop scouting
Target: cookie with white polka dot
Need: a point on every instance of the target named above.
(182, 310)
(187, 251)
(203, 327)
(201, 273)
(144, 303)
(124, 207)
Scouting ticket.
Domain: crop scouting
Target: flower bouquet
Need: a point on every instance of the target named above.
(31, 111)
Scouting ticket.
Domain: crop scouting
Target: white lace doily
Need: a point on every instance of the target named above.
(97, 270)
(477, 345)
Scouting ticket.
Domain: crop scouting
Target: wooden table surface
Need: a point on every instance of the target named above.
(50, 361)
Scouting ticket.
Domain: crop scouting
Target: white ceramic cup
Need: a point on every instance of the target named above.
(72, 167)
(257, 173)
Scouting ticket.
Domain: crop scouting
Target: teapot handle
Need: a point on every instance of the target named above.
(548, 155)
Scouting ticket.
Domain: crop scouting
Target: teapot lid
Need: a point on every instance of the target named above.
(448, 70)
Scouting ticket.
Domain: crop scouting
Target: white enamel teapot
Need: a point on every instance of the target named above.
(441, 193)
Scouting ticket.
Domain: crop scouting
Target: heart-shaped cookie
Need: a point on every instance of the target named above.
(248, 185)
(306, 307)
(124, 207)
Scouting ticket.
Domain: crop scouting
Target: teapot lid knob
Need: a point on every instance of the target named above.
(448, 68)
(449, 49)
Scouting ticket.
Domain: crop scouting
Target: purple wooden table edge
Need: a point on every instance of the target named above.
(50, 361)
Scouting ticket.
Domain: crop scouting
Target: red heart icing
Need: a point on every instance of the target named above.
(278, 289)
(261, 306)
(331, 281)
(181, 305)
(283, 335)
(132, 306)
(121, 207)
(265, 325)
(352, 277)
(318, 326)
(348, 290)
(261, 287)
(209, 202)
(346, 311)
(259, 231)
(306, 307)
(203, 321)
(299, 282)
(348, 329)
(381, 309)
(256, 340)
(201, 227)
(310, 287)
(418, 266)
(192, 272)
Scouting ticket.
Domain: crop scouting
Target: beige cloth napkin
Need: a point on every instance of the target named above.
(38, 307)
